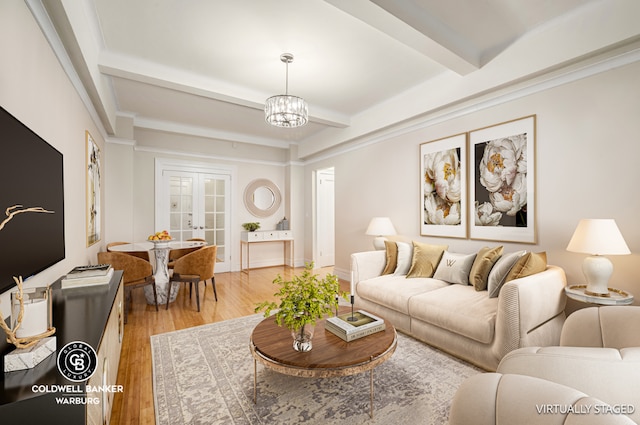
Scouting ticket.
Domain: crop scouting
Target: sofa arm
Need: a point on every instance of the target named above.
(494, 398)
(609, 374)
(367, 265)
(531, 311)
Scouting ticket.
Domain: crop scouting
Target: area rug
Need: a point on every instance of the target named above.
(204, 375)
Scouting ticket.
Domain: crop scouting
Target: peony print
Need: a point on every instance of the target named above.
(442, 186)
(501, 196)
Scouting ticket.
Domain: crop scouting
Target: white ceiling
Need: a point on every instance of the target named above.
(205, 67)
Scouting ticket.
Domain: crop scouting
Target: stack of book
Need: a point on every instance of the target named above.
(349, 329)
(94, 275)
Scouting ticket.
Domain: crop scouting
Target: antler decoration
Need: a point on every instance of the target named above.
(11, 333)
(10, 214)
(25, 342)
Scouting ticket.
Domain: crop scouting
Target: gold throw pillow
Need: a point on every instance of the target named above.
(482, 265)
(425, 259)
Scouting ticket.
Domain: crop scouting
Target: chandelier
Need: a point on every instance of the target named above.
(285, 110)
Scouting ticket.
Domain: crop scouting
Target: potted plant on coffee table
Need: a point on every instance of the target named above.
(304, 299)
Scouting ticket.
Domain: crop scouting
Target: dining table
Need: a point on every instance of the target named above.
(159, 259)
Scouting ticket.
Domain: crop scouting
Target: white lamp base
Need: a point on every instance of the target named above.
(378, 242)
(597, 270)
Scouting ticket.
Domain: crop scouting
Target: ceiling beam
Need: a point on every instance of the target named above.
(143, 71)
(430, 38)
(208, 133)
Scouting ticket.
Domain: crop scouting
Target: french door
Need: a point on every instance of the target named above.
(197, 205)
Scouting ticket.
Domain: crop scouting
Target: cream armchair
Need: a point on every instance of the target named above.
(597, 366)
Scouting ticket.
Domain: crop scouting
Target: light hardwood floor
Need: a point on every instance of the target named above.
(238, 294)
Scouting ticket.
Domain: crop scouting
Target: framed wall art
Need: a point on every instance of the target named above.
(94, 214)
(502, 181)
(443, 187)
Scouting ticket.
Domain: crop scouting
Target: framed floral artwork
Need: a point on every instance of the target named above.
(94, 220)
(502, 181)
(443, 187)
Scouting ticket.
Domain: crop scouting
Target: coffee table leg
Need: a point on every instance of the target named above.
(371, 402)
(255, 380)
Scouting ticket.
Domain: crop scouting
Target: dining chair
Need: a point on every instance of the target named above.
(174, 254)
(197, 240)
(137, 273)
(109, 245)
(196, 267)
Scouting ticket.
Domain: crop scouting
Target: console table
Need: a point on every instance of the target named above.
(248, 238)
(93, 315)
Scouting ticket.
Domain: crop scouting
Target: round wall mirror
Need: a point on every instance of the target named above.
(262, 197)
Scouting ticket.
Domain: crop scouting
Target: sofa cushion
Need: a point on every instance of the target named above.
(485, 260)
(394, 292)
(391, 249)
(455, 268)
(425, 259)
(459, 309)
(528, 264)
(405, 253)
(499, 272)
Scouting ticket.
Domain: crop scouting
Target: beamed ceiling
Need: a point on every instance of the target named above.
(204, 68)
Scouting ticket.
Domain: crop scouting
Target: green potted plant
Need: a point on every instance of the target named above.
(303, 300)
(251, 227)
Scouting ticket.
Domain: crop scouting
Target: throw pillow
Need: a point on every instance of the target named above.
(392, 257)
(425, 259)
(499, 272)
(455, 268)
(482, 265)
(527, 265)
(404, 258)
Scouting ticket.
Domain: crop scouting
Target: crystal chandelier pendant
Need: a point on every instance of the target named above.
(285, 110)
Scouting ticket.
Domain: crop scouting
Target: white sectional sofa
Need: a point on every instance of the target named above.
(459, 319)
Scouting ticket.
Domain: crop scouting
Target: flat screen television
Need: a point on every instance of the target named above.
(31, 202)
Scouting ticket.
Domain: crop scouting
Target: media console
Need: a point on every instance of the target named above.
(93, 315)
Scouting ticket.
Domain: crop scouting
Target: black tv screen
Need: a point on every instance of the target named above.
(31, 202)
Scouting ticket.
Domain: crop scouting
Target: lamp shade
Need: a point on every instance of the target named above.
(380, 226)
(598, 237)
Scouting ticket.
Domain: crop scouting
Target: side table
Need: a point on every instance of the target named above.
(616, 296)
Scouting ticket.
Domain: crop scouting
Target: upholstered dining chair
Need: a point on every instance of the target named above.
(174, 254)
(137, 273)
(109, 245)
(194, 268)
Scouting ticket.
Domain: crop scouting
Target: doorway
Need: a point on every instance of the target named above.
(194, 202)
(325, 217)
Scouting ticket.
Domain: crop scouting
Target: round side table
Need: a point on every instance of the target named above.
(616, 296)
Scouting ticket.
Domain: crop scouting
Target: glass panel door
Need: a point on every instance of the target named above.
(199, 207)
(181, 206)
(214, 221)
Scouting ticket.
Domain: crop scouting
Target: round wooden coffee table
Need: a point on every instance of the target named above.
(272, 345)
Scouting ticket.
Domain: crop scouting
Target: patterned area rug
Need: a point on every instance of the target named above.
(204, 375)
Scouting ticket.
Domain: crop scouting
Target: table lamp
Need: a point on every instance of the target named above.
(598, 237)
(380, 227)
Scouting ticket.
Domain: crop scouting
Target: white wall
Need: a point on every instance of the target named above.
(36, 90)
(587, 167)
